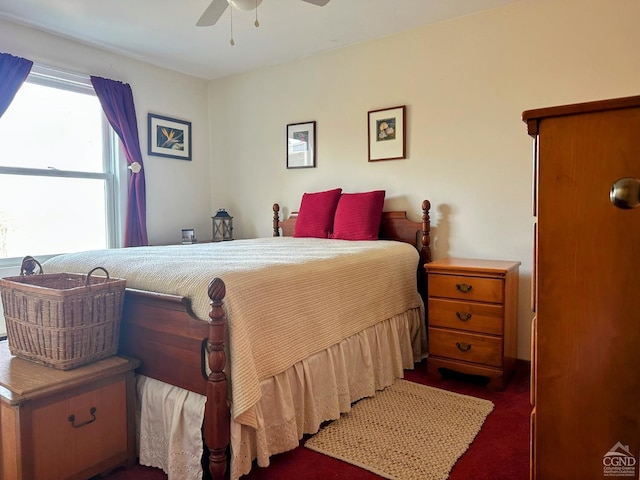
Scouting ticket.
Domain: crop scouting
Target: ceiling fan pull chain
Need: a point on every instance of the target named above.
(231, 41)
(256, 23)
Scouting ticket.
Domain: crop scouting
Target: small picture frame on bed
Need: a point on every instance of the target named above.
(301, 145)
(387, 139)
(169, 137)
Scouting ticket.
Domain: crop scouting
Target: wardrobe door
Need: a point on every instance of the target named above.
(587, 401)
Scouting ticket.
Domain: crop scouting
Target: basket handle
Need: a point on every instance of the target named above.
(28, 266)
(88, 282)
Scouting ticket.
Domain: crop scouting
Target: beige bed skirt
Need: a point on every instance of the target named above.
(293, 403)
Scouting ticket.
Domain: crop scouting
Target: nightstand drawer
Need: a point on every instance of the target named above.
(468, 347)
(469, 316)
(466, 288)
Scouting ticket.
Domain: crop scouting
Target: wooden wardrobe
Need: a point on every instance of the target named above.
(585, 385)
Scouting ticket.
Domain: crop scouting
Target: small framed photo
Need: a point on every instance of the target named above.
(188, 236)
(169, 137)
(301, 145)
(387, 139)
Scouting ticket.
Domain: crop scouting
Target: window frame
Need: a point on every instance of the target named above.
(113, 169)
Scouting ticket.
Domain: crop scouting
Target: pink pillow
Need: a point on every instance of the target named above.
(358, 216)
(315, 217)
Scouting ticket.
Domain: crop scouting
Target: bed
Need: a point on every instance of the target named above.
(166, 332)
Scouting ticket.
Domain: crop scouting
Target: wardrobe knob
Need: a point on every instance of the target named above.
(625, 193)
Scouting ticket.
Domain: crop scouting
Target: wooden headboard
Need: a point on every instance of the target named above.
(394, 225)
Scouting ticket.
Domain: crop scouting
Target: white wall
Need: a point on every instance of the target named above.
(178, 191)
(465, 83)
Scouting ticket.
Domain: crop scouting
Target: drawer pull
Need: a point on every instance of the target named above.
(464, 287)
(72, 419)
(463, 347)
(464, 316)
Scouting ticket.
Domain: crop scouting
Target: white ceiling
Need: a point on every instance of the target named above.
(163, 32)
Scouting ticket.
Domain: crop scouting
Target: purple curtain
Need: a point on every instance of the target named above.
(13, 72)
(116, 99)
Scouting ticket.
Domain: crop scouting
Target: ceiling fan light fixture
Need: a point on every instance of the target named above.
(244, 4)
(216, 8)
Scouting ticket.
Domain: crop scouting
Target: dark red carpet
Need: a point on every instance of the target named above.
(499, 452)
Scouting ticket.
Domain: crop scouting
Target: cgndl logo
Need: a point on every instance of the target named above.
(619, 462)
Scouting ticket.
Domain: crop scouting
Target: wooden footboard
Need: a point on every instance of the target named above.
(163, 333)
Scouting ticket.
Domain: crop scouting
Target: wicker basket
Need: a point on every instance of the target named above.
(62, 320)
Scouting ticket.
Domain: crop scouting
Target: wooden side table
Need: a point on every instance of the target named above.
(70, 424)
(473, 317)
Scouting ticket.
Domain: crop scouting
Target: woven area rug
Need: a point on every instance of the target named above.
(407, 431)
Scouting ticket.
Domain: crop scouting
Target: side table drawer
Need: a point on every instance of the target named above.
(468, 347)
(474, 317)
(466, 288)
(96, 434)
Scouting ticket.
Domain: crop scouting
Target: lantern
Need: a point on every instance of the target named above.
(222, 226)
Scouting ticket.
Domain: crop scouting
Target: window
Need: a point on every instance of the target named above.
(59, 169)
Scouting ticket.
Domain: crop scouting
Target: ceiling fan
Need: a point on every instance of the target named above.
(217, 7)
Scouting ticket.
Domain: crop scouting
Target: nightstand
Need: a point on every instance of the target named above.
(70, 424)
(473, 316)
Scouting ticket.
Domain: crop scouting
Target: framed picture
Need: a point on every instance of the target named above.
(387, 139)
(188, 236)
(301, 145)
(169, 137)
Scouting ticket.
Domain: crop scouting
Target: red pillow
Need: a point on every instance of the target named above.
(358, 216)
(315, 217)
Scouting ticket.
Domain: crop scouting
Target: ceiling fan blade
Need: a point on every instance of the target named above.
(320, 3)
(213, 13)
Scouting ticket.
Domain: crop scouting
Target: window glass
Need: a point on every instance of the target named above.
(51, 215)
(53, 129)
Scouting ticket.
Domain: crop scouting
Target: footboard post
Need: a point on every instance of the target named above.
(217, 412)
